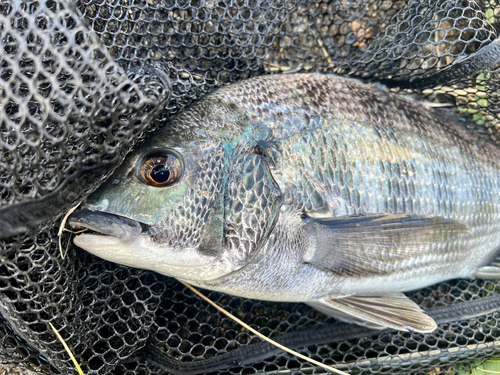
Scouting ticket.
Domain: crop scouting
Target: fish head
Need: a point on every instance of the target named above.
(162, 210)
(195, 201)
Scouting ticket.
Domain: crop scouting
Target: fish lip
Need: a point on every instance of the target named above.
(107, 224)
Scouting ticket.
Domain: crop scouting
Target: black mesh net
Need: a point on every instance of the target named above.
(82, 82)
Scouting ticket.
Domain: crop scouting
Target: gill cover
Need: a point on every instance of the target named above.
(252, 204)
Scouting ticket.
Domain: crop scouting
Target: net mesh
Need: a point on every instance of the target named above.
(81, 83)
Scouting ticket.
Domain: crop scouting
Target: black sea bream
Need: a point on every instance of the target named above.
(306, 188)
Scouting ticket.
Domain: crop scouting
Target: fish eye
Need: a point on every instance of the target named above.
(161, 168)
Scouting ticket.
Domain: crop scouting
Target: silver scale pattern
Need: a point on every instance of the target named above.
(58, 62)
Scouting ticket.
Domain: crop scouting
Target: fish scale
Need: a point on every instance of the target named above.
(435, 168)
(309, 188)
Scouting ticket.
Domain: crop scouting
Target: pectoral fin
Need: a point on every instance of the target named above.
(376, 244)
(378, 311)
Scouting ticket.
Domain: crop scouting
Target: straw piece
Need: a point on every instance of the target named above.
(78, 368)
(61, 227)
(488, 371)
(310, 360)
(325, 52)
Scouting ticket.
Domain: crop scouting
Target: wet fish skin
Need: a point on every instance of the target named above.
(316, 189)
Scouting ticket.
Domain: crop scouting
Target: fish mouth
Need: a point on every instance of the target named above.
(98, 223)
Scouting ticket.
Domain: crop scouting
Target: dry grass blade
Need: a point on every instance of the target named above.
(78, 368)
(61, 228)
(310, 360)
(325, 52)
(487, 371)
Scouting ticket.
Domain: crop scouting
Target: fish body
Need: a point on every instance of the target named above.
(306, 188)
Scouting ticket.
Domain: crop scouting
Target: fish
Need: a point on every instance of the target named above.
(306, 188)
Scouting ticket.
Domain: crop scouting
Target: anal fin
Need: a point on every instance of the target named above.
(378, 311)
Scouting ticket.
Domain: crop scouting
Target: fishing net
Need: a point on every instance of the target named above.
(82, 82)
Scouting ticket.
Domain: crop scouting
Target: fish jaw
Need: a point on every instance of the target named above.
(113, 233)
(107, 225)
(129, 242)
(110, 248)
(96, 241)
